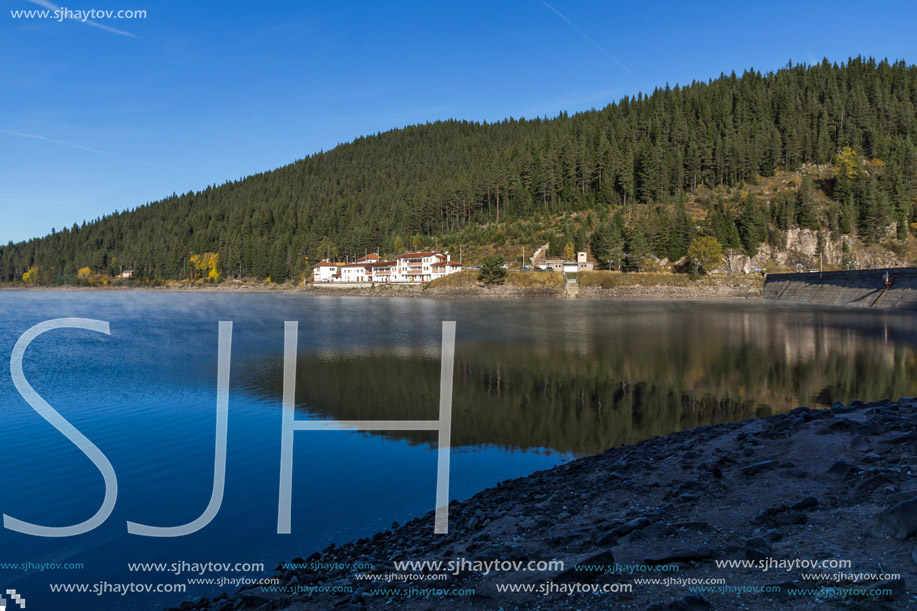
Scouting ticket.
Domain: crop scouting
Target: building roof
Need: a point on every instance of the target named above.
(327, 264)
(414, 255)
(370, 257)
(363, 265)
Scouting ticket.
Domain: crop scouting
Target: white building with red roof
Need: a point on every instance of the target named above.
(409, 267)
(383, 271)
(444, 268)
(417, 266)
(326, 271)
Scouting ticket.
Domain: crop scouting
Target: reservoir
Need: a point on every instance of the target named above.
(536, 383)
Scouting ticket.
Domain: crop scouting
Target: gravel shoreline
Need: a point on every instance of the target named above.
(828, 485)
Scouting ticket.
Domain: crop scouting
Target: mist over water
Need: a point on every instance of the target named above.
(536, 383)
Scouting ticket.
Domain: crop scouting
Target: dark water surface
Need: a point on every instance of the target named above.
(536, 383)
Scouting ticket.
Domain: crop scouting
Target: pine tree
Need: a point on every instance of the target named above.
(805, 205)
(638, 250)
(752, 226)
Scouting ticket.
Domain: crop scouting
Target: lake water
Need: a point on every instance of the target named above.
(536, 383)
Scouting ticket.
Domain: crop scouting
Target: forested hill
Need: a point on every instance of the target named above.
(634, 163)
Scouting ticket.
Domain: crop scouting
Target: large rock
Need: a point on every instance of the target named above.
(899, 521)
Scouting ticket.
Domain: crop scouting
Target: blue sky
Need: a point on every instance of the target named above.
(93, 120)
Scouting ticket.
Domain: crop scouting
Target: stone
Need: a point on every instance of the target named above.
(624, 529)
(694, 554)
(839, 424)
(771, 534)
(840, 408)
(899, 520)
(757, 467)
(910, 437)
(789, 518)
(489, 552)
(761, 517)
(653, 531)
(868, 485)
(691, 602)
(758, 548)
(870, 428)
(841, 469)
(807, 503)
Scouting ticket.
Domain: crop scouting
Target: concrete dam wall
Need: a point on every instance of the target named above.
(867, 288)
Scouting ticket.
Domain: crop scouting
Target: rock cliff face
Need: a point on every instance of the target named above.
(751, 505)
(802, 248)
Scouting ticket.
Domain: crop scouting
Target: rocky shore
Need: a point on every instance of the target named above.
(693, 293)
(835, 486)
(447, 292)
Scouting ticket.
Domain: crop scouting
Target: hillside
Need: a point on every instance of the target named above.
(751, 160)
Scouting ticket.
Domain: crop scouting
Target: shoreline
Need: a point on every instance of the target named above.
(828, 485)
(510, 292)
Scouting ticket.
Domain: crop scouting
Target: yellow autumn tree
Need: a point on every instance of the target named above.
(31, 275)
(569, 252)
(213, 264)
(83, 273)
(847, 163)
(206, 264)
